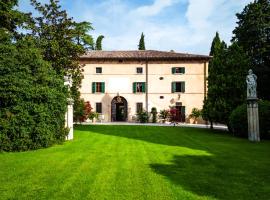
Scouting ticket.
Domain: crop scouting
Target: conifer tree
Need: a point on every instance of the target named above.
(99, 43)
(141, 43)
(226, 81)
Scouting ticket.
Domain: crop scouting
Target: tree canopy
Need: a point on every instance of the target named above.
(32, 93)
(32, 97)
(253, 35)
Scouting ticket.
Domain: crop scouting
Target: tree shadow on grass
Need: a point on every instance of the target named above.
(232, 169)
(194, 138)
(216, 177)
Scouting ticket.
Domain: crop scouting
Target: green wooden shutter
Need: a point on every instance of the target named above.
(183, 110)
(143, 87)
(182, 86)
(173, 70)
(183, 113)
(93, 87)
(183, 70)
(134, 87)
(173, 87)
(103, 87)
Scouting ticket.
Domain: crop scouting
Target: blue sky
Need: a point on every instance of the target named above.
(179, 25)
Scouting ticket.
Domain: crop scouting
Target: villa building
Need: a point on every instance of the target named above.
(119, 84)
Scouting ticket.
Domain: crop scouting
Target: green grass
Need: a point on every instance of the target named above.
(136, 162)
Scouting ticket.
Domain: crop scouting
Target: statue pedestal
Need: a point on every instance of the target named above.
(69, 119)
(253, 120)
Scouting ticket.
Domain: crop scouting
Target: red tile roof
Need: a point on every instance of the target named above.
(141, 55)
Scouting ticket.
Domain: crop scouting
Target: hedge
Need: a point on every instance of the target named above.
(238, 120)
(32, 99)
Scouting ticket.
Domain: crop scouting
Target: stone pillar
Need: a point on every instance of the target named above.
(69, 119)
(253, 120)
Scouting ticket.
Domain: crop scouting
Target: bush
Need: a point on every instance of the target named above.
(142, 116)
(164, 114)
(78, 112)
(93, 115)
(195, 114)
(238, 120)
(154, 115)
(33, 99)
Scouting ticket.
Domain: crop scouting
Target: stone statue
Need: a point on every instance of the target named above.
(251, 85)
(68, 81)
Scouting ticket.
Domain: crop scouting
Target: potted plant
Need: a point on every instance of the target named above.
(164, 114)
(142, 116)
(195, 114)
(154, 115)
(93, 116)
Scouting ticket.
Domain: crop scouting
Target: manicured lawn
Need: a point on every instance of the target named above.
(136, 162)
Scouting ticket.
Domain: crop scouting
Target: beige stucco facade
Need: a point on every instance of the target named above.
(119, 77)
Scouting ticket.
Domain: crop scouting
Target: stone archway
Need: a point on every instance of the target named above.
(119, 110)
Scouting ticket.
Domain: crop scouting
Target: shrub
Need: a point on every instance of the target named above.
(93, 115)
(164, 114)
(142, 116)
(154, 115)
(238, 120)
(173, 114)
(195, 114)
(78, 110)
(33, 99)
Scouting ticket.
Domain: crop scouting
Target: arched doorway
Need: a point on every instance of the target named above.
(119, 109)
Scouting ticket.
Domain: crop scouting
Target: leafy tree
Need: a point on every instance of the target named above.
(82, 38)
(141, 43)
(99, 42)
(253, 35)
(62, 41)
(9, 17)
(32, 97)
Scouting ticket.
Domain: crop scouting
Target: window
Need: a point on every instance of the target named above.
(138, 87)
(139, 70)
(178, 70)
(99, 107)
(161, 78)
(98, 87)
(178, 87)
(99, 70)
(161, 97)
(139, 107)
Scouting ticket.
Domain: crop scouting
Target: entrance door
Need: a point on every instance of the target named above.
(120, 112)
(119, 109)
(180, 113)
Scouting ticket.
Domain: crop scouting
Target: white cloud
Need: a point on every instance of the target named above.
(190, 28)
(155, 8)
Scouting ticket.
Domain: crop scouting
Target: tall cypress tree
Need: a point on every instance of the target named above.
(215, 64)
(226, 81)
(99, 43)
(253, 35)
(141, 43)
